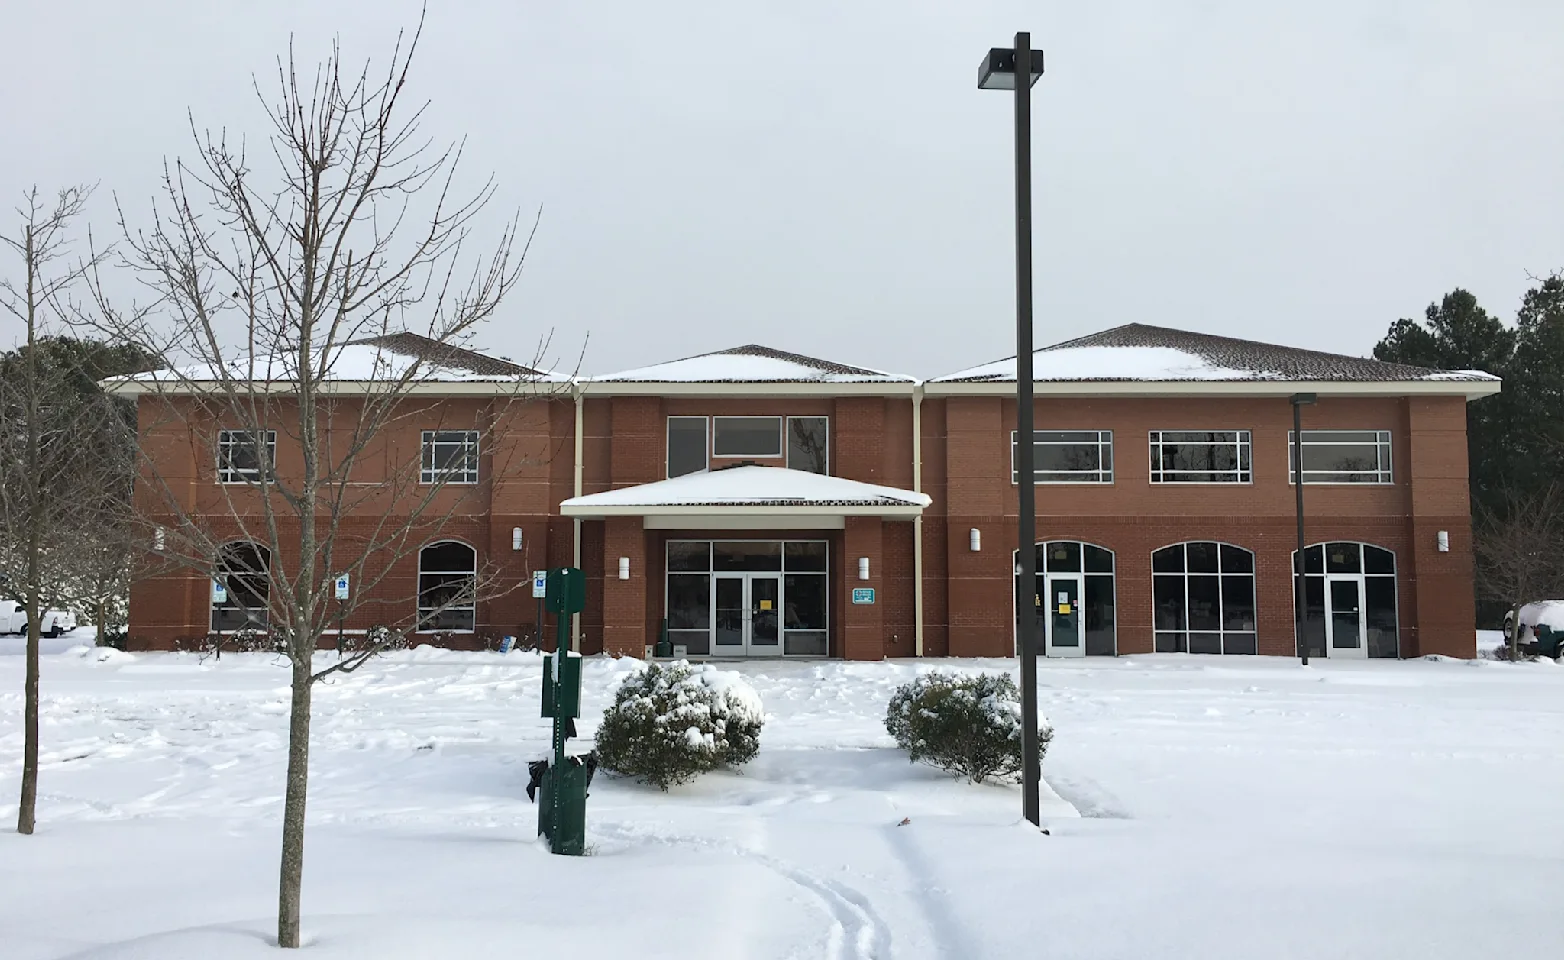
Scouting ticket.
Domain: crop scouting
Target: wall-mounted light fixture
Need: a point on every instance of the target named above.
(624, 568)
(975, 539)
(1444, 541)
(515, 538)
(159, 538)
(863, 568)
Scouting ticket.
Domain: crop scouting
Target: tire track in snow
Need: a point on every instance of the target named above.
(857, 930)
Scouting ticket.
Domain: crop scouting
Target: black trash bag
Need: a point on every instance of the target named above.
(535, 771)
(537, 768)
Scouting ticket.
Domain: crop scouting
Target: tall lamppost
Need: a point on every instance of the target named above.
(1017, 69)
(1299, 583)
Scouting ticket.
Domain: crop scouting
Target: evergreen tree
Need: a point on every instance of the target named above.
(1458, 334)
(1535, 385)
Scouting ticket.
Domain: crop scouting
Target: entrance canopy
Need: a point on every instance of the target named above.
(750, 496)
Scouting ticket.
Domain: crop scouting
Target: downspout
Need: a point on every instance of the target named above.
(917, 522)
(575, 555)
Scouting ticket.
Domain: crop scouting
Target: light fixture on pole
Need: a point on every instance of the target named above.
(1299, 593)
(1017, 69)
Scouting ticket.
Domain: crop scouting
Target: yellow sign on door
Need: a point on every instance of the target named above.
(765, 604)
(1064, 608)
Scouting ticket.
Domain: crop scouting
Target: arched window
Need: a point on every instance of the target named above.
(1073, 599)
(447, 588)
(1203, 598)
(244, 570)
(1349, 605)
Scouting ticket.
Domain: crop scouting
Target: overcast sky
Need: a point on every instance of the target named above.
(824, 177)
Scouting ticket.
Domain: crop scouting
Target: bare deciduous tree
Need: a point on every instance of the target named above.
(49, 485)
(1521, 551)
(320, 301)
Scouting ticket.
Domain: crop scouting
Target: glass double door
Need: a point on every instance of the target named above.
(747, 615)
(1344, 627)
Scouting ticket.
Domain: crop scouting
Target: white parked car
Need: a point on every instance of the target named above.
(55, 623)
(1533, 617)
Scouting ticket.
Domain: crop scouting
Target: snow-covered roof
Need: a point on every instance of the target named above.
(381, 358)
(749, 486)
(752, 363)
(1140, 352)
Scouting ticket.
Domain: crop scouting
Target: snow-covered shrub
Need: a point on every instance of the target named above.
(671, 723)
(969, 725)
(380, 638)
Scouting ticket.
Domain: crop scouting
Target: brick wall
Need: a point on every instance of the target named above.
(1133, 517)
(968, 595)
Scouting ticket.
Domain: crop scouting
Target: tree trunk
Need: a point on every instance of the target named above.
(26, 814)
(103, 623)
(292, 879)
(1515, 633)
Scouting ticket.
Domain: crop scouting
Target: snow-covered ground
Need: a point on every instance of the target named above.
(1206, 808)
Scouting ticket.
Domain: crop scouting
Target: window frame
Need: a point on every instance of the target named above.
(430, 475)
(1220, 575)
(1323, 576)
(249, 579)
(706, 432)
(781, 438)
(783, 570)
(1243, 441)
(1105, 477)
(227, 473)
(418, 588)
(787, 439)
(1385, 471)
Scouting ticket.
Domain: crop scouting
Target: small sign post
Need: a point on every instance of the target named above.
(340, 589)
(219, 593)
(539, 591)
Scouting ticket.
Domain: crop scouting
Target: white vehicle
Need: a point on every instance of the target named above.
(1543, 613)
(55, 623)
(13, 617)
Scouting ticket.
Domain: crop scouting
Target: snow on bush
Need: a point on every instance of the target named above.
(671, 723)
(969, 725)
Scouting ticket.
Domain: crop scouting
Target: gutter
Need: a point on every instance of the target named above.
(588, 511)
(1470, 389)
(575, 555)
(917, 521)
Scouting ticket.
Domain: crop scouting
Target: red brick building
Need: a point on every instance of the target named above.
(767, 504)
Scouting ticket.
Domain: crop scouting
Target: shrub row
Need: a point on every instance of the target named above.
(670, 723)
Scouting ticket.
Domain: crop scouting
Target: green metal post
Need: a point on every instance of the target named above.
(561, 645)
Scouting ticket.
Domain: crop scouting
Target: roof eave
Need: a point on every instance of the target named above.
(745, 388)
(496, 387)
(1470, 389)
(587, 511)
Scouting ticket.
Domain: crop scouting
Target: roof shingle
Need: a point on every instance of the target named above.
(1138, 351)
(752, 363)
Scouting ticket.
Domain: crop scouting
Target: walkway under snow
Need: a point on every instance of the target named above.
(1237, 808)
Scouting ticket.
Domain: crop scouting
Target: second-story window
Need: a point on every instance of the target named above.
(449, 456)
(746, 437)
(686, 445)
(1201, 456)
(1342, 456)
(807, 444)
(242, 455)
(1068, 456)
